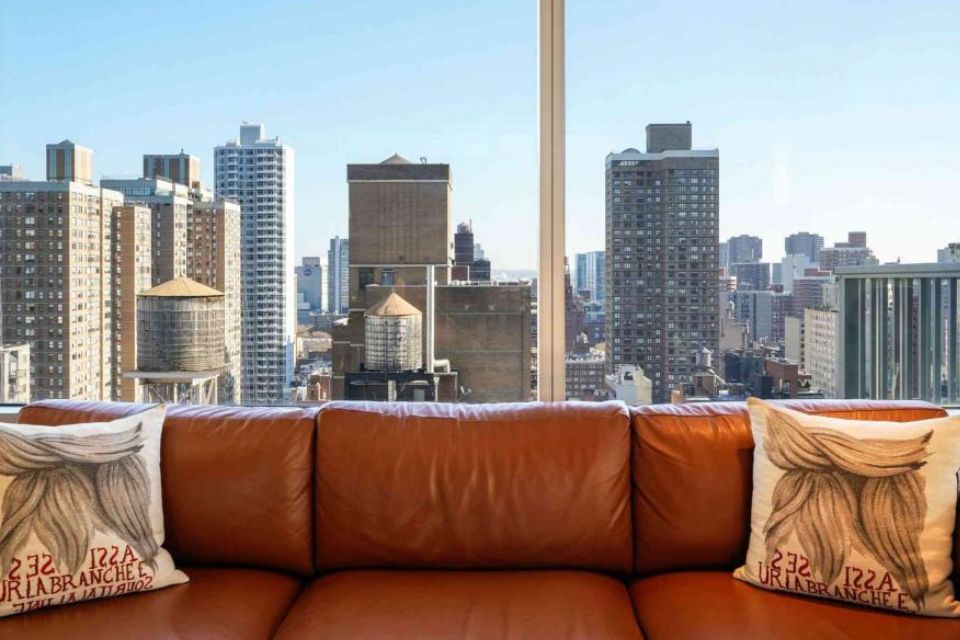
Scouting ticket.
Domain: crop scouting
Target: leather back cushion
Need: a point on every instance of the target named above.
(237, 481)
(473, 486)
(693, 476)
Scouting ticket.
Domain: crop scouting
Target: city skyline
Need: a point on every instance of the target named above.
(789, 163)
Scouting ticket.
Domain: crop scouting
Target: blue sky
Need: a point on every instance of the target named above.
(829, 116)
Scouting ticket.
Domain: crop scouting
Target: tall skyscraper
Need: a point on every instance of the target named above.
(744, 249)
(56, 269)
(338, 276)
(589, 274)
(258, 172)
(310, 281)
(804, 243)
(662, 256)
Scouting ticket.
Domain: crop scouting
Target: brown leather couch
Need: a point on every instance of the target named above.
(363, 520)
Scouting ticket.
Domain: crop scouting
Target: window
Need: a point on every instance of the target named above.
(441, 205)
(374, 237)
(711, 293)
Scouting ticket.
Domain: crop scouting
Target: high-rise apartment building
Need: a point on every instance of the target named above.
(56, 269)
(70, 162)
(258, 173)
(744, 249)
(804, 243)
(589, 274)
(662, 262)
(170, 204)
(213, 260)
(181, 168)
(338, 276)
(196, 235)
(132, 268)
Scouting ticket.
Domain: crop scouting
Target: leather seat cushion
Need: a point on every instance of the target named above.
(215, 604)
(467, 605)
(709, 605)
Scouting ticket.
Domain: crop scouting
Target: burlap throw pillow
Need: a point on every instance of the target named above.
(81, 515)
(857, 511)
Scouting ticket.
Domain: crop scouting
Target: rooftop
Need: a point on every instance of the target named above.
(392, 305)
(916, 270)
(182, 288)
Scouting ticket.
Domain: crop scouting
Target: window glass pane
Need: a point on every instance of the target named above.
(292, 203)
(745, 186)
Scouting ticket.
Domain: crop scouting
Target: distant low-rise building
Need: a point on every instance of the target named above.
(15, 374)
(585, 376)
(629, 384)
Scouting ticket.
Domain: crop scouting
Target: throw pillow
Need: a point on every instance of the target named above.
(857, 511)
(80, 512)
